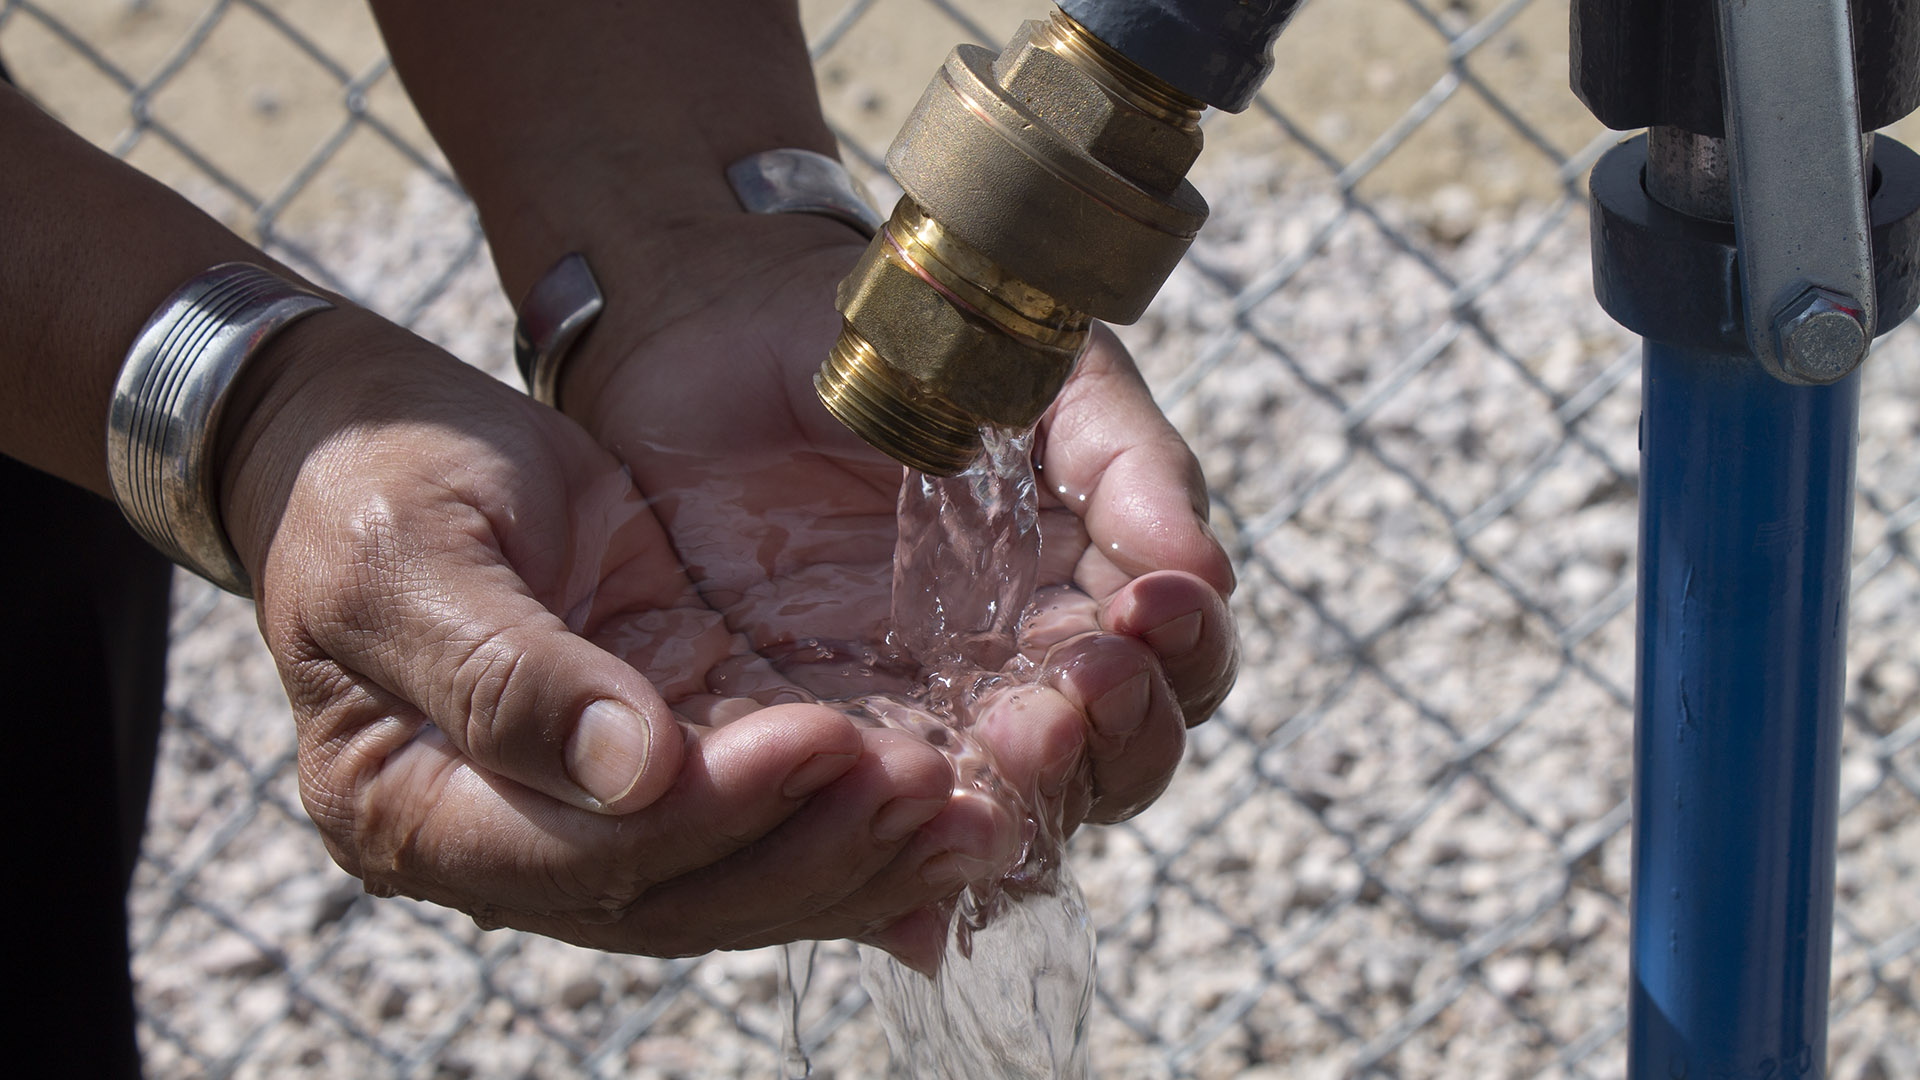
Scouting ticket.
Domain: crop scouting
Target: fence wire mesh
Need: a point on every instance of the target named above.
(1401, 848)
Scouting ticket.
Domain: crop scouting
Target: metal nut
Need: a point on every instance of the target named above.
(1820, 337)
(947, 352)
(1014, 189)
(1043, 189)
(1149, 151)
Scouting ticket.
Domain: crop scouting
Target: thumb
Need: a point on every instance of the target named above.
(451, 629)
(361, 480)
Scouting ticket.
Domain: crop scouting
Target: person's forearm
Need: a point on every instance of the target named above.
(91, 249)
(564, 117)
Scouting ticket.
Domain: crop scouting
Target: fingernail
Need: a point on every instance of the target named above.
(1121, 709)
(902, 816)
(943, 871)
(1176, 637)
(608, 750)
(815, 773)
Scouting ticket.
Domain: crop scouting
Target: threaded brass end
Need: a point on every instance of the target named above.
(886, 408)
(1118, 75)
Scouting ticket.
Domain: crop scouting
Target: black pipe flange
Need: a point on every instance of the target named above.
(1676, 279)
(1655, 63)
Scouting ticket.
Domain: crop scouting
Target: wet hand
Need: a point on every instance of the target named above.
(431, 553)
(785, 520)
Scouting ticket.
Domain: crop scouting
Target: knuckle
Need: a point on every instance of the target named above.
(341, 754)
(604, 889)
(485, 673)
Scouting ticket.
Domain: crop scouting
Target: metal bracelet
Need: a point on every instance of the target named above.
(557, 310)
(164, 422)
(567, 299)
(790, 181)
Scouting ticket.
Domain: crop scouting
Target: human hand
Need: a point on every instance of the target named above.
(426, 546)
(785, 521)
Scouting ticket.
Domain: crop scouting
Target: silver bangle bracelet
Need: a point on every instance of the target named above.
(556, 311)
(790, 181)
(566, 300)
(165, 418)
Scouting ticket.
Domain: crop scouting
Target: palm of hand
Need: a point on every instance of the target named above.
(433, 530)
(785, 524)
(445, 541)
(783, 520)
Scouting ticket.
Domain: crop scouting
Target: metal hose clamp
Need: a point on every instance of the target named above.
(567, 299)
(164, 421)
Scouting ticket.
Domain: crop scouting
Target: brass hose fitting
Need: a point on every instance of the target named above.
(1045, 187)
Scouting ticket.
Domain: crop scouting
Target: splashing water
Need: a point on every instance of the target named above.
(1011, 995)
(967, 559)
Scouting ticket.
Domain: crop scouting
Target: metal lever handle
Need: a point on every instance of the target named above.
(1799, 188)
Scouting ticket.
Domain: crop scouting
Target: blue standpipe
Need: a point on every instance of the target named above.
(1746, 514)
(1746, 521)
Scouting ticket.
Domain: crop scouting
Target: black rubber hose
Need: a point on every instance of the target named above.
(1219, 51)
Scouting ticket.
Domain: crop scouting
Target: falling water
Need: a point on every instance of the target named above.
(1012, 991)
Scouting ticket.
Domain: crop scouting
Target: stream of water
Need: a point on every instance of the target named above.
(1011, 995)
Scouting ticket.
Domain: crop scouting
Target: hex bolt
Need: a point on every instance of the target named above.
(1819, 336)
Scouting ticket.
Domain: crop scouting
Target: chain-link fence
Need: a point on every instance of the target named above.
(1400, 850)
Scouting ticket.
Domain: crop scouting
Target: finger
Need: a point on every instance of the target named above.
(1145, 502)
(1181, 618)
(1190, 630)
(917, 939)
(427, 607)
(1054, 616)
(406, 811)
(975, 838)
(843, 837)
(837, 842)
(1039, 743)
(1135, 732)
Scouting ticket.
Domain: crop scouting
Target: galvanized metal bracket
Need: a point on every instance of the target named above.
(1799, 187)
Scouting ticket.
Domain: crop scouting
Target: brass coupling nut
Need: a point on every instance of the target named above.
(1045, 187)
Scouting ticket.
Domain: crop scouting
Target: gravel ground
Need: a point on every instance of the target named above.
(1401, 848)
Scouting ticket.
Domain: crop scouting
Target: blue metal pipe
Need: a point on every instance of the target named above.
(1746, 517)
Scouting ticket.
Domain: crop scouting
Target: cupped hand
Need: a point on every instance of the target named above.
(785, 521)
(431, 553)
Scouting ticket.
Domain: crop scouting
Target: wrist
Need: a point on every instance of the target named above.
(772, 275)
(567, 299)
(563, 119)
(170, 397)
